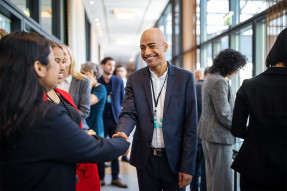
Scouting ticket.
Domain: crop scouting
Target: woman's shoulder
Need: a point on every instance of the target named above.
(99, 88)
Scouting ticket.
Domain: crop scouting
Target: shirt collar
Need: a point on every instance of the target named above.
(69, 79)
(155, 76)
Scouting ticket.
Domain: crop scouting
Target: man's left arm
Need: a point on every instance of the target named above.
(189, 147)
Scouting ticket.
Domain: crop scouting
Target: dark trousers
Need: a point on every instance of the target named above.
(199, 171)
(110, 128)
(157, 175)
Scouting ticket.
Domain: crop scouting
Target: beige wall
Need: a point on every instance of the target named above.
(189, 34)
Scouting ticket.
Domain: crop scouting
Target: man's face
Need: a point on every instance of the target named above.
(153, 48)
(198, 76)
(109, 67)
(121, 72)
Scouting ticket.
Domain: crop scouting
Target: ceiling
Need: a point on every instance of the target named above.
(120, 23)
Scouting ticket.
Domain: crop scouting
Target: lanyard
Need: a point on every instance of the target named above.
(156, 100)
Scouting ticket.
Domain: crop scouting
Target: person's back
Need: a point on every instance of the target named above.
(266, 135)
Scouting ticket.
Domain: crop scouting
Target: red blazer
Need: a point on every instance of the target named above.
(87, 173)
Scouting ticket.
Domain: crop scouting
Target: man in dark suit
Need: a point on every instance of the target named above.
(113, 107)
(160, 100)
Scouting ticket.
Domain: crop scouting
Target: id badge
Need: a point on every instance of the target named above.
(157, 122)
(109, 99)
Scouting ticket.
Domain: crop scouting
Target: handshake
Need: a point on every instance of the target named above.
(123, 135)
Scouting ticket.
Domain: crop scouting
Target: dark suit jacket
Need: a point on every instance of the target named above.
(263, 155)
(45, 156)
(179, 118)
(198, 86)
(117, 95)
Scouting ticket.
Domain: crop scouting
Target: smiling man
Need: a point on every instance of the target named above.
(160, 101)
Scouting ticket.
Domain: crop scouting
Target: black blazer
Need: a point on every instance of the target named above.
(45, 157)
(263, 155)
(179, 118)
(117, 95)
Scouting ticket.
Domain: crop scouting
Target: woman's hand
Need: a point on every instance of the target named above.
(91, 132)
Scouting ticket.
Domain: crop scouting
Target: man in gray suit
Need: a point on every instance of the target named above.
(160, 100)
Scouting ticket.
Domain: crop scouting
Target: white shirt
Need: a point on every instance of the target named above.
(65, 84)
(157, 139)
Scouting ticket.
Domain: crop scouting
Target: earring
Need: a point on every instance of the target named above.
(43, 75)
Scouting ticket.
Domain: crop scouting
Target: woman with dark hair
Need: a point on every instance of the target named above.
(262, 158)
(215, 121)
(40, 144)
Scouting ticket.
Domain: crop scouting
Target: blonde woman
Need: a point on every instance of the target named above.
(77, 85)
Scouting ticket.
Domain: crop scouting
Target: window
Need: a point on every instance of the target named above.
(250, 8)
(215, 12)
(165, 25)
(23, 5)
(219, 45)
(242, 41)
(5, 23)
(46, 15)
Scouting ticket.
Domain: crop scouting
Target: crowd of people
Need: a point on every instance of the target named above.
(59, 125)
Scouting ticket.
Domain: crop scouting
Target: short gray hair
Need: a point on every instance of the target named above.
(97, 70)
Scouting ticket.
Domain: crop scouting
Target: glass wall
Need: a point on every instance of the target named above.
(250, 8)
(236, 24)
(215, 12)
(242, 42)
(165, 25)
(46, 15)
(23, 5)
(5, 23)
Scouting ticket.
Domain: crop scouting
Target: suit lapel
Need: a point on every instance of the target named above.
(147, 87)
(169, 86)
(72, 87)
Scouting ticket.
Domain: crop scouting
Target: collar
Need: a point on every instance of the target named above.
(275, 70)
(69, 79)
(155, 76)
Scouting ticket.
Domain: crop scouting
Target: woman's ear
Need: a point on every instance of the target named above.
(40, 69)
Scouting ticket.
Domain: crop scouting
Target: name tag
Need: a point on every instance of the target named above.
(109, 99)
(157, 122)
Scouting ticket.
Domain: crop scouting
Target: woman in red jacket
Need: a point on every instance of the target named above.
(87, 173)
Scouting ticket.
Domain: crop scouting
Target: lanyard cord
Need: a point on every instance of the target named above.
(156, 100)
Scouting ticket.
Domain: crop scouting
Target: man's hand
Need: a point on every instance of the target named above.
(122, 134)
(184, 179)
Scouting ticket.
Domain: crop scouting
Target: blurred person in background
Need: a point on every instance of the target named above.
(39, 143)
(114, 102)
(77, 85)
(121, 72)
(200, 160)
(260, 118)
(98, 97)
(215, 120)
